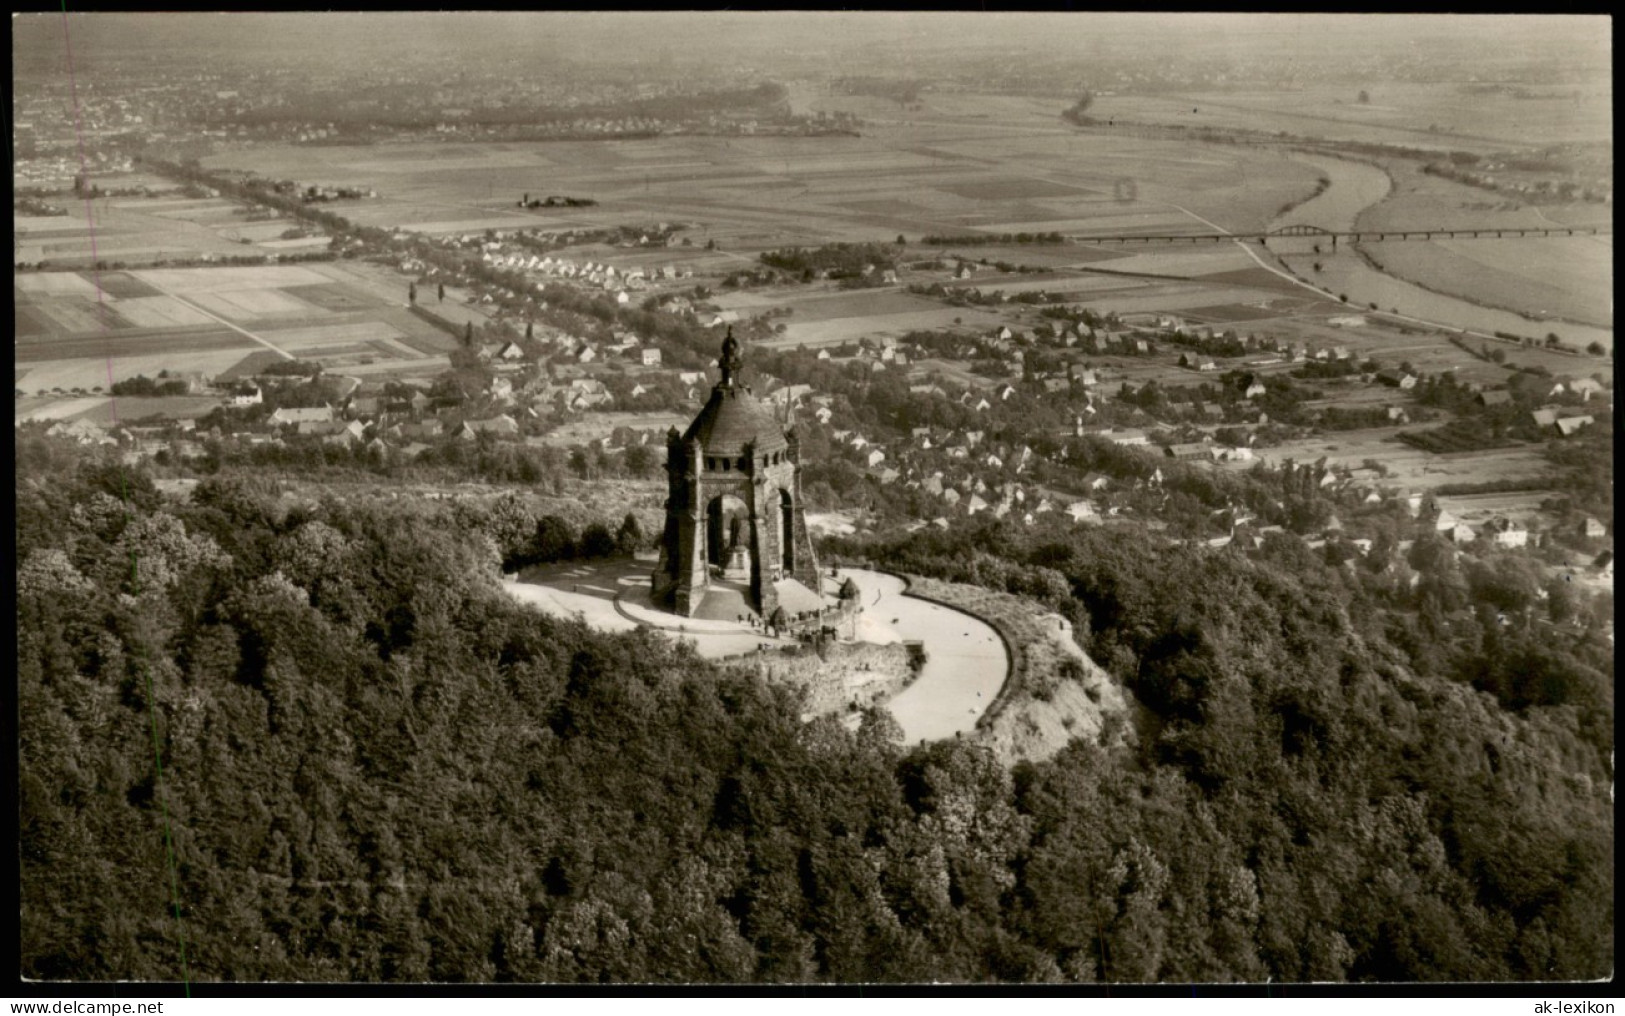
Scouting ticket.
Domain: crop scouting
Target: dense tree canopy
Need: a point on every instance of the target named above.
(375, 766)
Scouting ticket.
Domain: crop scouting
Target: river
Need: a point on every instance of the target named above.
(1356, 186)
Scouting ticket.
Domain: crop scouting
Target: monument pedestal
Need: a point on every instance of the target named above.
(737, 567)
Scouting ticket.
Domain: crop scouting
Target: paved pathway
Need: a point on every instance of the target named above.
(965, 666)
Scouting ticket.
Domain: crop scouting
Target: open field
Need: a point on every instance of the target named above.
(1571, 277)
(1346, 273)
(107, 410)
(1422, 199)
(834, 331)
(1410, 467)
(68, 336)
(119, 363)
(144, 230)
(767, 191)
(1415, 115)
(309, 338)
(101, 346)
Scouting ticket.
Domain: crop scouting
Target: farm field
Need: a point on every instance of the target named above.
(1222, 257)
(143, 231)
(188, 319)
(825, 304)
(839, 330)
(1398, 113)
(107, 410)
(1407, 466)
(90, 367)
(767, 191)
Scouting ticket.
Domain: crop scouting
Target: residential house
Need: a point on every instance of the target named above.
(1079, 510)
(366, 406)
(1461, 533)
(500, 426)
(428, 430)
(1585, 387)
(1507, 533)
(1397, 378)
(247, 394)
(650, 356)
(1593, 528)
(1570, 424)
(1499, 397)
(1189, 450)
(346, 433)
(314, 414)
(1096, 481)
(82, 430)
(876, 457)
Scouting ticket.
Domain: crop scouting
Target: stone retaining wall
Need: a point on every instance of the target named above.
(843, 675)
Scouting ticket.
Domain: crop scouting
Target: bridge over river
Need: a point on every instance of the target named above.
(1354, 236)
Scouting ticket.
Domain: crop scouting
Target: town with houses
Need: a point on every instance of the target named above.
(622, 502)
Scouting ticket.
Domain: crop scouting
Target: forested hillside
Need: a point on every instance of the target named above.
(377, 767)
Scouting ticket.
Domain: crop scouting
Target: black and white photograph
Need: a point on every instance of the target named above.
(757, 499)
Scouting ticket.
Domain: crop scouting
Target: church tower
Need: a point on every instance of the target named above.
(736, 536)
